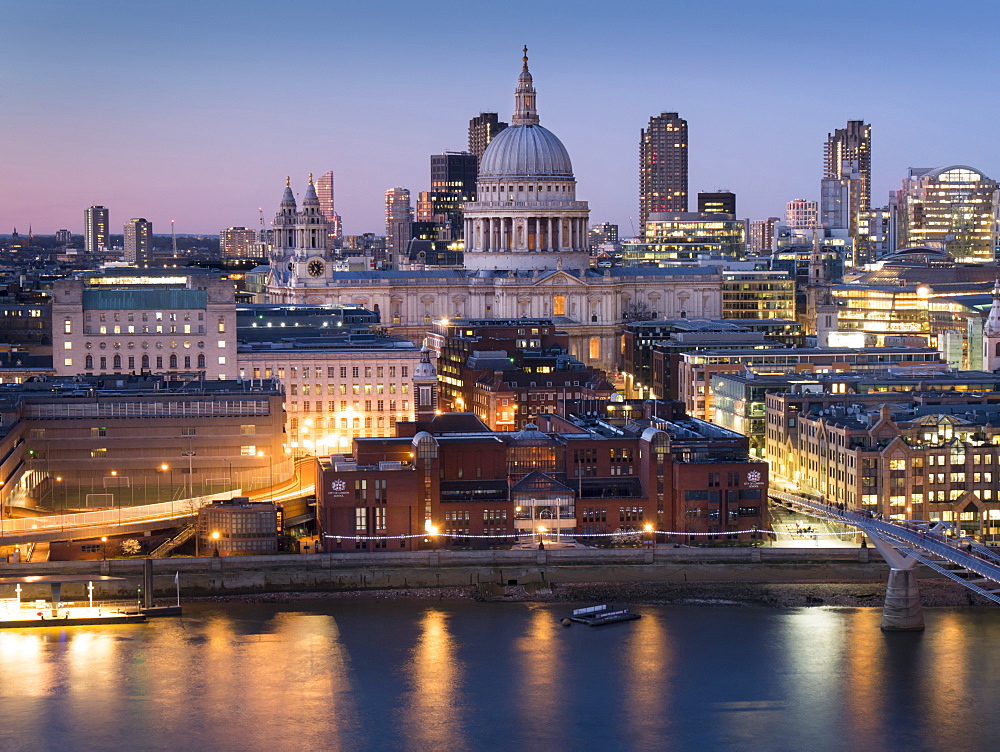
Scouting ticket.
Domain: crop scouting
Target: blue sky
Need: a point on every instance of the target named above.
(196, 111)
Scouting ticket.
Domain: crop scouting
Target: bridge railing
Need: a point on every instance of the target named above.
(931, 542)
(180, 508)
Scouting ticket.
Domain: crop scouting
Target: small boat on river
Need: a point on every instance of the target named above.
(596, 616)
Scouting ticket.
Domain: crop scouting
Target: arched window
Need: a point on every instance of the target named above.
(595, 348)
(173, 361)
(559, 305)
(88, 362)
(998, 350)
(201, 360)
(117, 362)
(145, 362)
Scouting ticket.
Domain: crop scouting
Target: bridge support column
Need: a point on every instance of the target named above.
(903, 611)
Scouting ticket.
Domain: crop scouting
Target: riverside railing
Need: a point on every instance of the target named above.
(114, 516)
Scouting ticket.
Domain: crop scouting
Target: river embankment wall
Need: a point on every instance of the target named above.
(241, 575)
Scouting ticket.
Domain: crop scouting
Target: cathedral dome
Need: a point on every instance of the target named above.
(523, 151)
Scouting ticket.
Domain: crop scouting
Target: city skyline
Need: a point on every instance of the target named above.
(202, 120)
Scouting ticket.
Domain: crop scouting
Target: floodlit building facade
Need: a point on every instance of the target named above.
(953, 208)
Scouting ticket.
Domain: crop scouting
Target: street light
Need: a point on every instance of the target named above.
(541, 536)
(649, 530)
(104, 546)
(215, 537)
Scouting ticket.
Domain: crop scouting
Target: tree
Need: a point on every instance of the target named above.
(131, 547)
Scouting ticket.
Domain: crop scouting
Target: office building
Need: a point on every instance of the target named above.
(847, 176)
(121, 323)
(327, 207)
(238, 243)
(336, 388)
(951, 208)
(874, 238)
(758, 295)
(95, 229)
(603, 234)
(801, 214)
(760, 240)
(482, 130)
(684, 236)
(398, 225)
(663, 166)
(138, 242)
(696, 369)
(720, 202)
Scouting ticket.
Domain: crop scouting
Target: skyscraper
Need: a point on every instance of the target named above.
(324, 191)
(398, 224)
(663, 166)
(852, 145)
(95, 229)
(482, 129)
(138, 237)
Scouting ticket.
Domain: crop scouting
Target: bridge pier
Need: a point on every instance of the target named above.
(903, 611)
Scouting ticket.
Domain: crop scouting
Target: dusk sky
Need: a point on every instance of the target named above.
(196, 111)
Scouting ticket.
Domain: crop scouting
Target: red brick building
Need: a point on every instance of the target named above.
(577, 478)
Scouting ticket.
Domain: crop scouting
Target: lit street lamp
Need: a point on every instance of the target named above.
(649, 532)
(215, 537)
(104, 546)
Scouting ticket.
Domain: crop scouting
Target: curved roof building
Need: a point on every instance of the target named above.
(526, 216)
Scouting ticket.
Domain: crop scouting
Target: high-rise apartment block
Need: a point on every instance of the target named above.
(64, 237)
(952, 208)
(801, 214)
(663, 166)
(720, 202)
(482, 129)
(238, 243)
(761, 235)
(138, 241)
(324, 192)
(95, 228)
(398, 224)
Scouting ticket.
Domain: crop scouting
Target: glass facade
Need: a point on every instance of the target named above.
(953, 208)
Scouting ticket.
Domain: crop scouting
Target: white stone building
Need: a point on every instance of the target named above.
(181, 324)
(527, 256)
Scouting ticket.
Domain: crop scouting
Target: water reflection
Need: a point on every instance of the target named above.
(540, 694)
(431, 717)
(468, 676)
(650, 679)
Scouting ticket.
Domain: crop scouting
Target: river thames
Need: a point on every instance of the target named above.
(351, 674)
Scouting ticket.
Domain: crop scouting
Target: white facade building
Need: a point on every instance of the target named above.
(526, 256)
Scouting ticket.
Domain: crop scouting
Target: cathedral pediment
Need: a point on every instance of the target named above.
(557, 278)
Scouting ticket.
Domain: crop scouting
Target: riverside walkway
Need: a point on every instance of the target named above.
(975, 566)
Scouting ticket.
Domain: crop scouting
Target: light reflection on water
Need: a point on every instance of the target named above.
(402, 675)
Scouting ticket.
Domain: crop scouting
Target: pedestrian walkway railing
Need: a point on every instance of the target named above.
(916, 543)
(115, 516)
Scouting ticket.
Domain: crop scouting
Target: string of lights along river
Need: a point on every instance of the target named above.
(458, 675)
